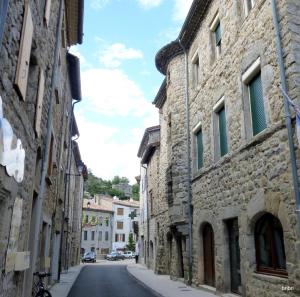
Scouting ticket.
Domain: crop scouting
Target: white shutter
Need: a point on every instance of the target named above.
(24, 54)
(39, 104)
(47, 12)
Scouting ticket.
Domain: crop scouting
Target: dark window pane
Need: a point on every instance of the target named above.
(218, 35)
(199, 149)
(259, 122)
(222, 131)
(270, 245)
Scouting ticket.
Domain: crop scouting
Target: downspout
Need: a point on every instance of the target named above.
(41, 198)
(66, 190)
(190, 207)
(286, 109)
(148, 219)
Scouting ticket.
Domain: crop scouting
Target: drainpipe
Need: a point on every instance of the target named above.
(148, 219)
(286, 109)
(190, 207)
(66, 195)
(41, 198)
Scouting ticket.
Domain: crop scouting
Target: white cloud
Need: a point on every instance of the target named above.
(110, 92)
(181, 9)
(107, 150)
(104, 154)
(149, 3)
(98, 4)
(113, 55)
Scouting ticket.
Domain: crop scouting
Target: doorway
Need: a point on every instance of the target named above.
(234, 254)
(209, 255)
(180, 257)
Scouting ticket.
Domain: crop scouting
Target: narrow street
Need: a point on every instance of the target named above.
(107, 281)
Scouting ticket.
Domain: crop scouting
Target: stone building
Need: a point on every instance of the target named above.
(154, 216)
(39, 79)
(126, 213)
(226, 167)
(97, 224)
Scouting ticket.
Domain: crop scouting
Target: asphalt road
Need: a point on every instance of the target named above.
(108, 281)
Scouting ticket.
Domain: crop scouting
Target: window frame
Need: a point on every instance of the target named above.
(247, 77)
(120, 223)
(217, 47)
(272, 220)
(216, 127)
(195, 69)
(247, 7)
(196, 131)
(120, 208)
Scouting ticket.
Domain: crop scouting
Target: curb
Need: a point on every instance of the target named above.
(68, 288)
(143, 284)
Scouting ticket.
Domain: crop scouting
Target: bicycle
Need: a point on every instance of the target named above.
(39, 289)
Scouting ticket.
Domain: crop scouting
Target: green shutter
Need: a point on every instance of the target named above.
(218, 35)
(222, 131)
(199, 150)
(259, 122)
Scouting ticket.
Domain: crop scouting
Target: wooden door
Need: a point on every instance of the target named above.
(209, 255)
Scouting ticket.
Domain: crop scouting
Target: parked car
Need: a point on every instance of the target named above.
(113, 256)
(89, 257)
(128, 255)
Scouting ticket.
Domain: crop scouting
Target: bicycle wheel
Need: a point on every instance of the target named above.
(44, 293)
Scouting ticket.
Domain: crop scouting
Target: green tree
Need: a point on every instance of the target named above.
(131, 243)
(119, 180)
(136, 192)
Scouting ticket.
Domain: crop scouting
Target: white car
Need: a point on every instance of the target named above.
(128, 255)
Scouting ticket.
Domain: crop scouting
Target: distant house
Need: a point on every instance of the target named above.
(126, 213)
(97, 224)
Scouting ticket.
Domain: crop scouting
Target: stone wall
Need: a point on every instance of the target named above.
(255, 176)
(21, 114)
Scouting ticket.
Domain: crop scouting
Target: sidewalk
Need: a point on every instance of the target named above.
(67, 280)
(162, 285)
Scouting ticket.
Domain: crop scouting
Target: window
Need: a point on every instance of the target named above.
(248, 5)
(257, 105)
(195, 70)
(269, 244)
(93, 235)
(100, 221)
(106, 221)
(215, 28)
(93, 219)
(151, 201)
(198, 146)
(24, 53)
(254, 101)
(84, 235)
(120, 211)
(220, 127)
(100, 236)
(120, 237)
(119, 225)
(86, 219)
(39, 104)
(106, 235)
(47, 12)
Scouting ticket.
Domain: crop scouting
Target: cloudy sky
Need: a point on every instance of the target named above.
(119, 79)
